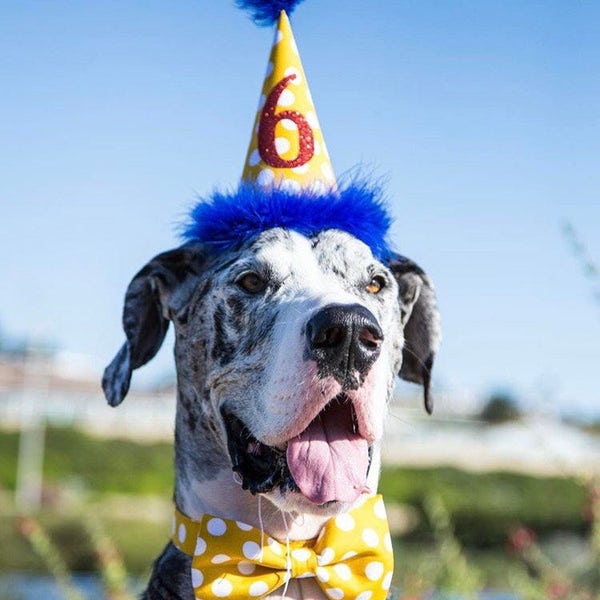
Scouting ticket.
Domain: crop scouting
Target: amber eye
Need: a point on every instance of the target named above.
(376, 284)
(252, 283)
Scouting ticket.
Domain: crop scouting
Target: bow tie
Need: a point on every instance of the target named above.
(351, 557)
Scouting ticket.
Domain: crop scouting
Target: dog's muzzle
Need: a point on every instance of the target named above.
(344, 341)
(262, 468)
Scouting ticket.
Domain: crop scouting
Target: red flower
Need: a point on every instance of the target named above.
(520, 539)
(26, 526)
(557, 590)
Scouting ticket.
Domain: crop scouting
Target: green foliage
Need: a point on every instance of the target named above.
(500, 408)
(139, 542)
(454, 572)
(46, 550)
(95, 464)
(109, 465)
(9, 443)
(485, 506)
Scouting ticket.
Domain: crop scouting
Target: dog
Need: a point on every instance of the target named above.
(278, 343)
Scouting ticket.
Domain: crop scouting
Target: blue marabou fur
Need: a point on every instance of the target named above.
(226, 220)
(266, 12)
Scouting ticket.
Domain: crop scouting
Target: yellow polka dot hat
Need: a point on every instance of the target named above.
(287, 145)
(287, 179)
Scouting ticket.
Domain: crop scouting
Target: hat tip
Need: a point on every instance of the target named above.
(267, 12)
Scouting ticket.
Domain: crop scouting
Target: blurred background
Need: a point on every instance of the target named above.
(483, 118)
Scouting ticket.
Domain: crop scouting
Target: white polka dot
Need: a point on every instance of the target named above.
(243, 526)
(221, 588)
(197, 578)
(270, 68)
(311, 117)
(387, 542)
(274, 546)
(286, 98)
(364, 596)
(217, 559)
(335, 593)
(301, 554)
(348, 555)
(387, 581)
(253, 161)
(290, 185)
(317, 148)
(293, 71)
(288, 124)
(301, 169)
(320, 187)
(278, 36)
(258, 588)
(245, 567)
(343, 571)
(326, 556)
(322, 574)
(216, 527)
(345, 522)
(282, 145)
(379, 509)
(327, 171)
(251, 550)
(266, 177)
(370, 537)
(374, 570)
(200, 547)
(182, 533)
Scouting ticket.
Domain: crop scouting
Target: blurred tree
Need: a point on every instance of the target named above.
(501, 407)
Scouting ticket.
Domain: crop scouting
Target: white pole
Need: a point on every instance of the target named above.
(28, 489)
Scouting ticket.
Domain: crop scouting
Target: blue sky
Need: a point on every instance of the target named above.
(483, 116)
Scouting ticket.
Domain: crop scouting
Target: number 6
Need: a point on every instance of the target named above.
(266, 131)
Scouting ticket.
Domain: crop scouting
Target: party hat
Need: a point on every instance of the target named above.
(288, 181)
(287, 148)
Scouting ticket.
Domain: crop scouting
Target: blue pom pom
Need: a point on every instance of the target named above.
(266, 12)
(225, 221)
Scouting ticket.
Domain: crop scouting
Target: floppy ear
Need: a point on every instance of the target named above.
(146, 316)
(421, 322)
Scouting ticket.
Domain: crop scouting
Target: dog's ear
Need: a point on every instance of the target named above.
(421, 322)
(146, 315)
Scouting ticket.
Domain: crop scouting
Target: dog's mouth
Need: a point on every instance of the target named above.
(329, 461)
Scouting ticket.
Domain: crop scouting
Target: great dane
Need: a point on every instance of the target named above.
(280, 343)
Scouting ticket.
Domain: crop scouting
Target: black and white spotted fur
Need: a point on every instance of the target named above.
(245, 354)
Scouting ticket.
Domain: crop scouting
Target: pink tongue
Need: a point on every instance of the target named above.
(327, 460)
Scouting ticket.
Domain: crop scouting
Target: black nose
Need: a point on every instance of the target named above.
(344, 340)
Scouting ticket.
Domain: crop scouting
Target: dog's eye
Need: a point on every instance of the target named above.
(376, 284)
(252, 283)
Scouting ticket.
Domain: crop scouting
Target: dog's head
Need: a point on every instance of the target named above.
(287, 347)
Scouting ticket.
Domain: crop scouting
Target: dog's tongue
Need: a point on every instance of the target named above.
(327, 460)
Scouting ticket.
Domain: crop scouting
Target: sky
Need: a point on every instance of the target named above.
(482, 117)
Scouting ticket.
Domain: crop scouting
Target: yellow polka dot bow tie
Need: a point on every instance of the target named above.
(351, 557)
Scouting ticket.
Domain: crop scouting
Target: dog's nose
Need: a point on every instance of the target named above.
(344, 340)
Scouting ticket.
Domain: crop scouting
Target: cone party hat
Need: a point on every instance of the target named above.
(287, 148)
(288, 181)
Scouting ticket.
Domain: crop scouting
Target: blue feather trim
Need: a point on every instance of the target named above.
(225, 221)
(266, 12)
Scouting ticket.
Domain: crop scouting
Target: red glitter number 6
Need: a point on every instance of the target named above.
(266, 131)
